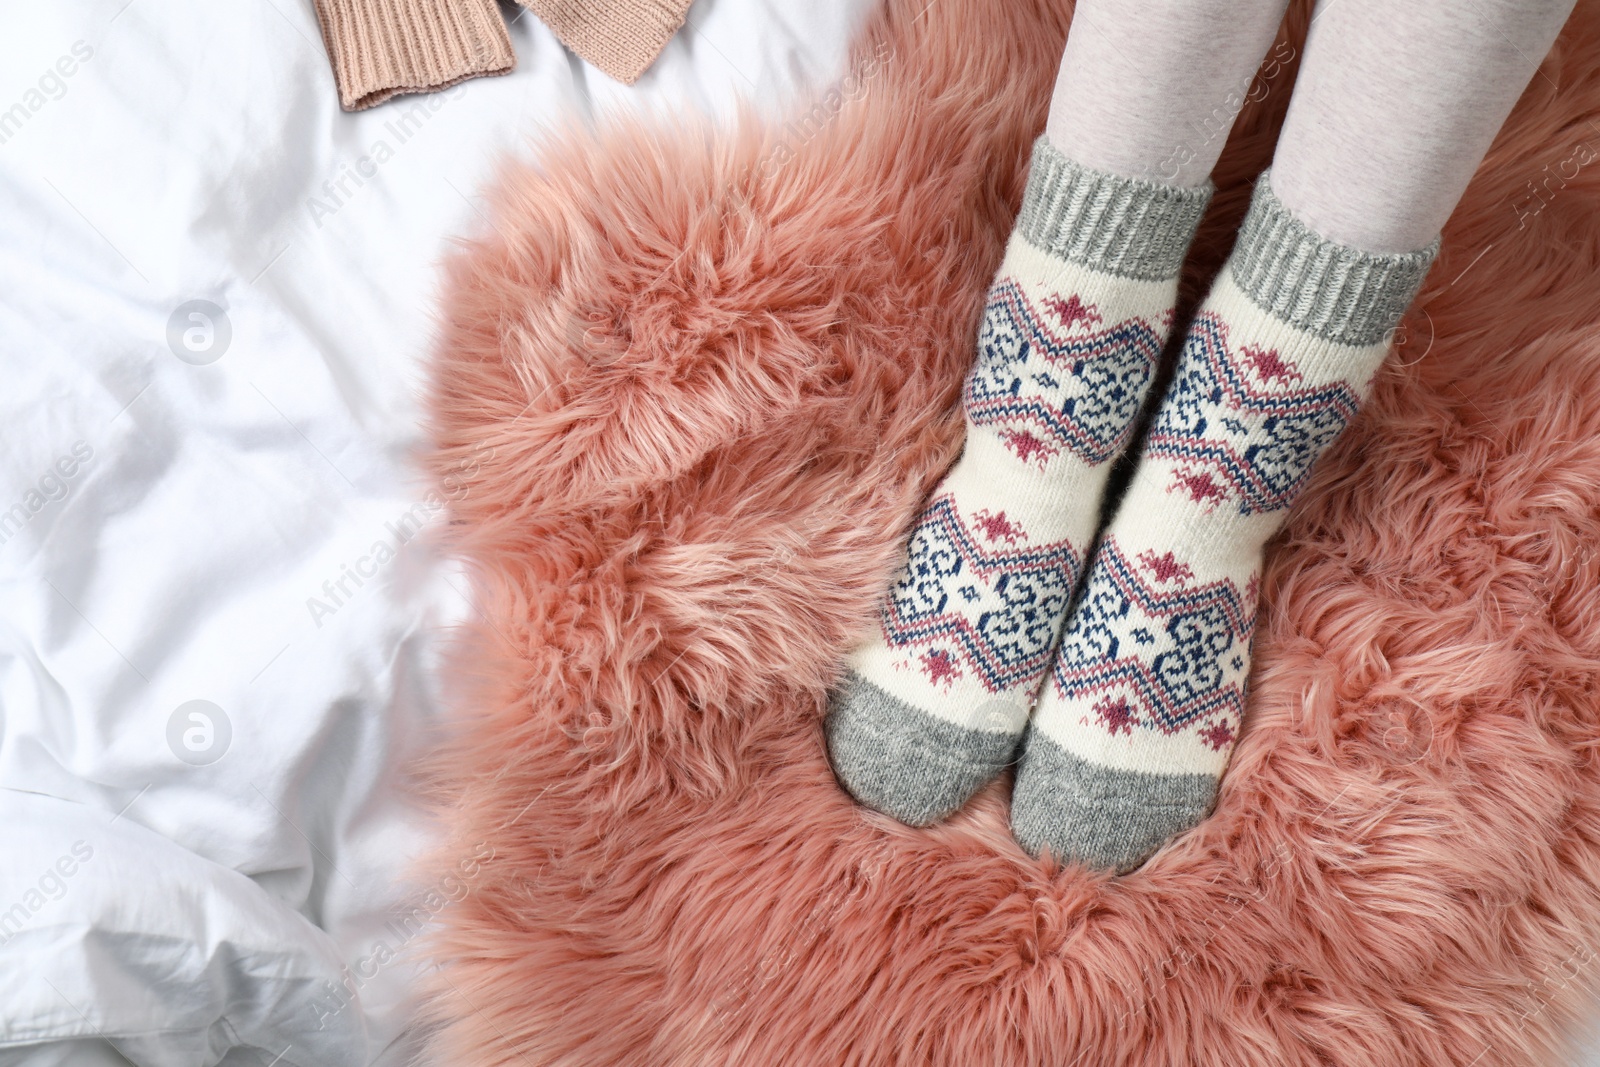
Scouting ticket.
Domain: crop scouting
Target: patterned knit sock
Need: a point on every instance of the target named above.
(1131, 736)
(935, 702)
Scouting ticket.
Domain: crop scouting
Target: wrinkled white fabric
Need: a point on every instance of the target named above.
(118, 932)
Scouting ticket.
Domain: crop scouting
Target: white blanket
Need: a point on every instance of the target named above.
(219, 628)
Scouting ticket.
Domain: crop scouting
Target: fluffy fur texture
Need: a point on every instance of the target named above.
(690, 394)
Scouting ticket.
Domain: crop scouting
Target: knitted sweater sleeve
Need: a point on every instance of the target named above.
(380, 48)
(621, 37)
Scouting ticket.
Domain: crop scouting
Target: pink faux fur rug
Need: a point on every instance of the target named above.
(691, 390)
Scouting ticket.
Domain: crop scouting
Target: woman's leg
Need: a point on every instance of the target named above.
(1395, 105)
(1150, 90)
(937, 698)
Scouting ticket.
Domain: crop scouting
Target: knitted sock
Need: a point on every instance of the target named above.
(934, 703)
(1131, 736)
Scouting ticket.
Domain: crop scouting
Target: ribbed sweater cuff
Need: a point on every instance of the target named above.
(621, 37)
(1125, 226)
(381, 48)
(1337, 292)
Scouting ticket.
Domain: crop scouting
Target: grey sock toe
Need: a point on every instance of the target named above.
(1097, 816)
(903, 761)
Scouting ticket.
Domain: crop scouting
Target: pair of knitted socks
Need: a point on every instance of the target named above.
(1112, 669)
(1140, 689)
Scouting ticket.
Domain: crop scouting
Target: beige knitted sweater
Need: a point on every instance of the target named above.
(380, 48)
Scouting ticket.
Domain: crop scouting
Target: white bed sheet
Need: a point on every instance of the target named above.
(179, 528)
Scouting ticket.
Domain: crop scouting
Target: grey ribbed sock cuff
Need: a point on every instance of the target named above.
(1123, 226)
(1337, 292)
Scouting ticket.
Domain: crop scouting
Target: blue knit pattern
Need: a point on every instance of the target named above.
(1048, 380)
(1150, 648)
(1245, 432)
(977, 598)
